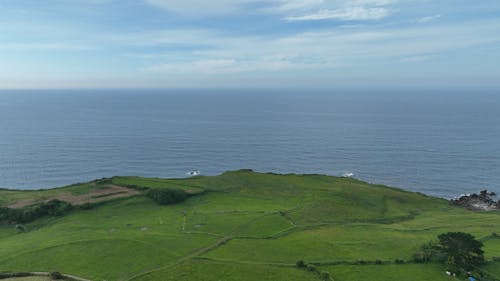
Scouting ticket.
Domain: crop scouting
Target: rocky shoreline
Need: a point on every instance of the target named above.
(484, 201)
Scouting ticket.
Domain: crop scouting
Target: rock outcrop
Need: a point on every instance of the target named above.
(483, 201)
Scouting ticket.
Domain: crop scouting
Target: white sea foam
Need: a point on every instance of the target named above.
(348, 174)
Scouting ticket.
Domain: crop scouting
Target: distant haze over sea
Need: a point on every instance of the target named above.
(439, 143)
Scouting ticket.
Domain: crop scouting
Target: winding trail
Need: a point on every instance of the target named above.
(194, 254)
(72, 277)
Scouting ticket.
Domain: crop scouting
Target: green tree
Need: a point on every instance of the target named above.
(462, 250)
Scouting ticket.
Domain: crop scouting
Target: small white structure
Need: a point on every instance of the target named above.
(194, 173)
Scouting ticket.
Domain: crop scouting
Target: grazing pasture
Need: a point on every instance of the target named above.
(240, 225)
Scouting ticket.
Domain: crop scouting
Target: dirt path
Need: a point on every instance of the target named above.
(194, 254)
(72, 277)
(219, 242)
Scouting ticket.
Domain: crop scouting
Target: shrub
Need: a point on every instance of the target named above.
(56, 275)
(427, 252)
(86, 206)
(378, 262)
(311, 267)
(300, 264)
(55, 208)
(31, 213)
(325, 275)
(20, 228)
(166, 196)
(419, 257)
(399, 261)
(8, 215)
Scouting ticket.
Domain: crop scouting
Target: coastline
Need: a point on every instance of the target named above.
(257, 223)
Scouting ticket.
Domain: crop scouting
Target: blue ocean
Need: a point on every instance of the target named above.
(440, 143)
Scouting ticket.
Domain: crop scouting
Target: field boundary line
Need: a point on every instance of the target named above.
(197, 252)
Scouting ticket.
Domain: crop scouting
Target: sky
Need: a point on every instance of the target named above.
(249, 43)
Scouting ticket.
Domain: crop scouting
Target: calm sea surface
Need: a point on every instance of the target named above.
(439, 143)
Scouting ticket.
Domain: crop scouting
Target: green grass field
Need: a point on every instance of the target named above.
(405, 272)
(244, 226)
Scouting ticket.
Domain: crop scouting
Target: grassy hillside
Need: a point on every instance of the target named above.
(240, 225)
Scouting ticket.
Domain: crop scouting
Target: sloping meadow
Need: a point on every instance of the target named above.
(245, 225)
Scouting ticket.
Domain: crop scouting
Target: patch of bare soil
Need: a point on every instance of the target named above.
(22, 203)
(99, 194)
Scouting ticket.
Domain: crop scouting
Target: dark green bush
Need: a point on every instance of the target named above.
(167, 196)
(300, 264)
(56, 275)
(54, 208)
(419, 257)
(7, 215)
(325, 276)
(20, 228)
(311, 268)
(86, 206)
(31, 213)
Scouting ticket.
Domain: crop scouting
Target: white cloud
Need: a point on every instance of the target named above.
(293, 5)
(414, 59)
(323, 49)
(218, 7)
(354, 10)
(201, 66)
(347, 14)
(44, 46)
(289, 9)
(183, 48)
(371, 2)
(199, 7)
(428, 19)
(231, 66)
(96, 2)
